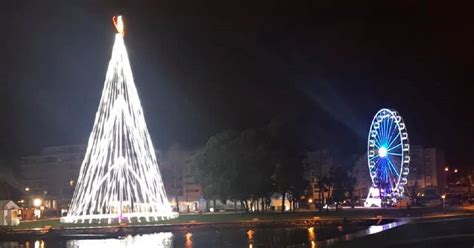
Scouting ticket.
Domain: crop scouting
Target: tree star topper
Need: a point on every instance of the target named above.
(118, 23)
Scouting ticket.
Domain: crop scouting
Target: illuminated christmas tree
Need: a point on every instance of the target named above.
(119, 177)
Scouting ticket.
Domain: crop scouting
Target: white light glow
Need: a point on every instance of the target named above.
(373, 198)
(382, 152)
(37, 202)
(119, 177)
(159, 240)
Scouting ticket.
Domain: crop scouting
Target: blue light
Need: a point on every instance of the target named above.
(388, 154)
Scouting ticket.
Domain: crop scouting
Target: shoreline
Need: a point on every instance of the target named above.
(101, 232)
(46, 229)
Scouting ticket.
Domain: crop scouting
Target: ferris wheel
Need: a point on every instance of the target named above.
(388, 155)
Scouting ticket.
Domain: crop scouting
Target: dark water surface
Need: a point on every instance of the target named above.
(226, 237)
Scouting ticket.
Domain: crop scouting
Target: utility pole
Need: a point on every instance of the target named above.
(469, 176)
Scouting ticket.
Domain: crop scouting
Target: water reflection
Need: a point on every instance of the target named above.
(250, 236)
(161, 240)
(368, 231)
(188, 240)
(9, 245)
(39, 244)
(312, 237)
(374, 229)
(27, 244)
(308, 236)
(377, 229)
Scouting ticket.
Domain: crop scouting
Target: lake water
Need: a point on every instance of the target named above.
(209, 237)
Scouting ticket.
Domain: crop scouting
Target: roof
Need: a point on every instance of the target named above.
(8, 204)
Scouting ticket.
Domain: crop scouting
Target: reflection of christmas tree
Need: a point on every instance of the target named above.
(119, 177)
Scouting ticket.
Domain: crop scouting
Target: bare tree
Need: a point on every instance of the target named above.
(8, 183)
(174, 160)
(317, 164)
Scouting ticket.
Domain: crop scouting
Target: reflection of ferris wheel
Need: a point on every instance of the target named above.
(388, 154)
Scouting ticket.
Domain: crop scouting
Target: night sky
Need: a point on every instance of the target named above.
(203, 67)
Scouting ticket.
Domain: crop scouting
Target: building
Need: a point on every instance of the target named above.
(363, 180)
(185, 193)
(316, 167)
(51, 176)
(9, 212)
(427, 175)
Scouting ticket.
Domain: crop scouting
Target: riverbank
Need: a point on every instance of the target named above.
(356, 213)
(53, 228)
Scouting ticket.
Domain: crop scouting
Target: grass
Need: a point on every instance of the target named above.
(182, 219)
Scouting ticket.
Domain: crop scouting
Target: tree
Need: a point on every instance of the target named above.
(175, 166)
(9, 186)
(342, 182)
(288, 173)
(230, 158)
(253, 158)
(211, 165)
(317, 164)
(267, 159)
(281, 182)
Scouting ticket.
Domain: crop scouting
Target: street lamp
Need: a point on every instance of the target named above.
(444, 201)
(446, 169)
(27, 189)
(470, 185)
(37, 202)
(455, 170)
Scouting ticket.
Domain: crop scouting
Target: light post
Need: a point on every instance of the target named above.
(469, 177)
(446, 186)
(37, 202)
(443, 197)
